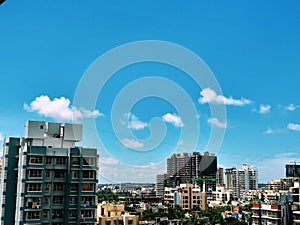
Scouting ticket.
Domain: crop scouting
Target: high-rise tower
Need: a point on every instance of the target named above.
(46, 178)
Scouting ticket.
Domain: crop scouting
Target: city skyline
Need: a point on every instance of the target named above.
(251, 48)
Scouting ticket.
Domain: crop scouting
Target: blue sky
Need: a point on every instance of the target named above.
(252, 48)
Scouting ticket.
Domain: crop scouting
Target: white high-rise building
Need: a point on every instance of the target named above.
(242, 180)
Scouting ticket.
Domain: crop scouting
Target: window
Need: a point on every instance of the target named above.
(61, 161)
(45, 214)
(72, 213)
(59, 174)
(46, 201)
(34, 203)
(88, 187)
(88, 174)
(75, 174)
(57, 213)
(33, 215)
(34, 187)
(34, 159)
(87, 201)
(87, 214)
(75, 161)
(35, 173)
(89, 161)
(48, 160)
(58, 187)
(73, 187)
(72, 200)
(48, 173)
(58, 200)
(47, 187)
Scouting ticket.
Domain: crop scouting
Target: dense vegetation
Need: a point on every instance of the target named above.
(188, 217)
(194, 217)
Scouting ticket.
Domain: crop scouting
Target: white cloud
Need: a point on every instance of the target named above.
(263, 109)
(210, 96)
(274, 131)
(217, 123)
(173, 119)
(131, 143)
(293, 126)
(1, 137)
(135, 123)
(59, 109)
(292, 107)
(109, 161)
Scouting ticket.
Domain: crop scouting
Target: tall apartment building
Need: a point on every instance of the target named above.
(241, 181)
(182, 168)
(292, 170)
(220, 177)
(46, 179)
(160, 184)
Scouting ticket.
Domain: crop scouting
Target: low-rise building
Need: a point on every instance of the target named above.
(220, 197)
(115, 214)
(187, 196)
(192, 197)
(277, 213)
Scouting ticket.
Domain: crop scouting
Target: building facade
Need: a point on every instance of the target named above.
(47, 179)
(161, 180)
(277, 214)
(192, 197)
(185, 168)
(240, 181)
(114, 214)
(220, 177)
(187, 196)
(292, 170)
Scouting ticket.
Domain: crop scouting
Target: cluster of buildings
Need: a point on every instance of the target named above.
(199, 174)
(46, 178)
(279, 201)
(194, 180)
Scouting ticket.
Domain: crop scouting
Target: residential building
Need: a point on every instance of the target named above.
(170, 194)
(220, 177)
(186, 167)
(292, 170)
(220, 197)
(295, 194)
(112, 214)
(274, 185)
(187, 196)
(241, 181)
(47, 179)
(266, 214)
(192, 197)
(282, 184)
(160, 184)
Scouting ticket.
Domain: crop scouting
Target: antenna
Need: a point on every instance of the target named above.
(294, 162)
